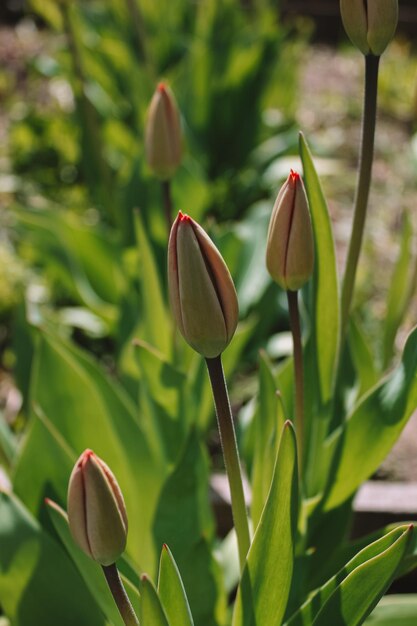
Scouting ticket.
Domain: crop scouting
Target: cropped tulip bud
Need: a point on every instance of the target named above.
(96, 510)
(290, 247)
(203, 297)
(163, 134)
(370, 24)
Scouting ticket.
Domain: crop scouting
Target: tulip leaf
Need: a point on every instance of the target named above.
(268, 424)
(266, 579)
(188, 530)
(357, 595)
(161, 401)
(87, 410)
(38, 582)
(399, 291)
(171, 591)
(151, 610)
(325, 306)
(310, 609)
(395, 610)
(378, 419)
(90, 571)
(155, 325)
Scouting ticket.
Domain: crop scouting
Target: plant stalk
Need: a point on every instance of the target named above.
(294, 313)
(230, 454)
(168, 204)
(120, 596)
(362, 193)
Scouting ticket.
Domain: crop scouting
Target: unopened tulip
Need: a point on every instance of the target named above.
(203, 297)
(163, 134)
(96, 510)
(290, 247)
(370, 24)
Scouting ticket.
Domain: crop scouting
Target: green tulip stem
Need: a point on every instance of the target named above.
(230, 454)
(364, 183)
(120, 596)
(168, 205)
(294, 313)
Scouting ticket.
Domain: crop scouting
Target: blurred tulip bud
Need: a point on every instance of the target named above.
(96, 510)
(290, 247)
(203, 297)
(163, 134)
(370, 24)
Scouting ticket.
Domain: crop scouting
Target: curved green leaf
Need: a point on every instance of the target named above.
(171, 591)
(269, 421)
(151, 610)
(266, 579)
(353, 600)
(307, 613)
(395, 611)
(38, 582)
(90, 571)
(373, 427)
(325, 307)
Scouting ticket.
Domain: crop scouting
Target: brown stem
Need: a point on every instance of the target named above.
(230, 454)
(120, 596)
(298, 370)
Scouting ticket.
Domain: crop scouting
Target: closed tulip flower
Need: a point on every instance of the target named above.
(203, 297)
(96, 510)
(370, 24)
(290, 247)
(163, 134)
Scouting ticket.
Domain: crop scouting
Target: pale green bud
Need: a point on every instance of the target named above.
(203, 297)
(290, 246)
(96, 510)
(370, 24)
(163, 137)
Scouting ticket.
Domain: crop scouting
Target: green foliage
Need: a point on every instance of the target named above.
(263, 584)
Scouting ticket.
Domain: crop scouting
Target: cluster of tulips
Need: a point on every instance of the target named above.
(205, 308)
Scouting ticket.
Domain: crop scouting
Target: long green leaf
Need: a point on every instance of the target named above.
(395, 611)
(151, 610)
(399, 290)
(308, 612)
(325, 322)
(269, 421)
(155, 324)
(88, 410)
(188, 529)
(321, 350)
(356, 596)
(38, 582)
(171, 591)
(266, 579)
(373, 427)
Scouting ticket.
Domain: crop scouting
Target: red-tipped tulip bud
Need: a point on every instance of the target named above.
(290, 247)
(96, 510)
(203, 297)
(163, 134)
(370, 24)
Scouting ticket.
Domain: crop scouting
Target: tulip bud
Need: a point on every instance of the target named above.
(290, 247)
(96, 510)
(163, 134)
(203, 297)
(370, 24)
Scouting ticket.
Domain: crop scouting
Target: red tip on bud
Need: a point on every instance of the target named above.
(295, 176)
(161, 87)
(183, 217)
